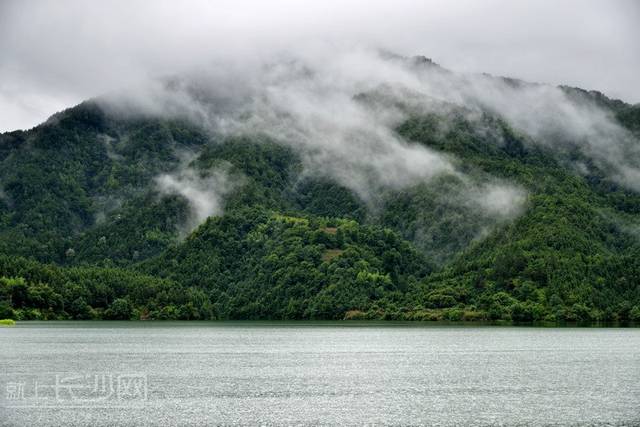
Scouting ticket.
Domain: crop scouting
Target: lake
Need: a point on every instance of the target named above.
(248, 373)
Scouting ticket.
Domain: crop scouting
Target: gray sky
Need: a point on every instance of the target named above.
(54, 54)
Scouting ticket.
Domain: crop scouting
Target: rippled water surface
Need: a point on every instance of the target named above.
(172, 373)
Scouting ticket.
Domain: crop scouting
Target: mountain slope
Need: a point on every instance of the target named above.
(112, 215)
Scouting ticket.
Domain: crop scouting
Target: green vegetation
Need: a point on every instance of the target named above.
(7, 322)
(85, 234)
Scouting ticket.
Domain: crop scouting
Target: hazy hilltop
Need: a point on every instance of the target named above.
(369, 186)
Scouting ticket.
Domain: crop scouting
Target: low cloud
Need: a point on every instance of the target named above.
(312, 100)
(503, 201)
(312, 109)
(204, 192)
(54, 57)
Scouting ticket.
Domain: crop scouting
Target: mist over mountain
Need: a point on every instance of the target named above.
(325, 184)
(55, 57)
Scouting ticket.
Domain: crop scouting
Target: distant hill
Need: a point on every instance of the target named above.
(112, 215)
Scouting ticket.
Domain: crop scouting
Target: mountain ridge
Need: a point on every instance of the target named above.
(518, 226)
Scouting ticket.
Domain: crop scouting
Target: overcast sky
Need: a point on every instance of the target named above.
(54, 54)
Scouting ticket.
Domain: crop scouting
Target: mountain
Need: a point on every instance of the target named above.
(455, 207)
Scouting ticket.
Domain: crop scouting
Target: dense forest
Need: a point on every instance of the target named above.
(86, 232)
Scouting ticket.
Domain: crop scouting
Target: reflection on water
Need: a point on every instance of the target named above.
(172, 373)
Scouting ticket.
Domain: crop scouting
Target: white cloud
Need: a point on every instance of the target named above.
(204, 193)
(54, 56)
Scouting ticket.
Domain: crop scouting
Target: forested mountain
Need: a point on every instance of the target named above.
(117, 213)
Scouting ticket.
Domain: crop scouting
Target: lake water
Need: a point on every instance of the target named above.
(179, 373)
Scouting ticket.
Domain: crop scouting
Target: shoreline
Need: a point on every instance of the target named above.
(336, 323)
